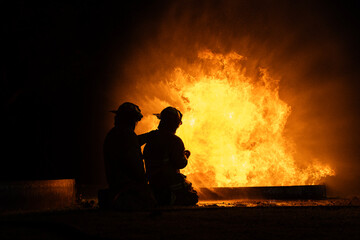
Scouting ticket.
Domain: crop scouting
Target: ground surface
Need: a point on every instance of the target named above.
(263, 219)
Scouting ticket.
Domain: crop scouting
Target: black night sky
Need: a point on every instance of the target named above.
(55, 61)
(59, 60)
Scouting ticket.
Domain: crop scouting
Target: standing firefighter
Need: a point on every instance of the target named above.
(128, 188)
(164, 156)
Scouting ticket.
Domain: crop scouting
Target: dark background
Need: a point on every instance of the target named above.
(59, 61)
(55, 61)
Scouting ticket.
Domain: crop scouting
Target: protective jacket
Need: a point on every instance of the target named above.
(164, 157)
(123, 158)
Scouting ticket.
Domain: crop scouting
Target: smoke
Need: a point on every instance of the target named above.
(307, 46)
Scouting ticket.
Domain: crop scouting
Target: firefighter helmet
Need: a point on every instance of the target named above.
(170, 114)
(129, 110)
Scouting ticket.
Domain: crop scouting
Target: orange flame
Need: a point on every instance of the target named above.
(233, 125)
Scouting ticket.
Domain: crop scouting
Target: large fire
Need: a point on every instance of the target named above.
(233, 125)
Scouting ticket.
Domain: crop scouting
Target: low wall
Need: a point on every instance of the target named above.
(37, 195)
(277, 192)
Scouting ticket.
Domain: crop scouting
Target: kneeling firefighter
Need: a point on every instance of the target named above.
(128, 188)
(164, 156)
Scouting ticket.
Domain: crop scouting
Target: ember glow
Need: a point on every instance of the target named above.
(233, 125)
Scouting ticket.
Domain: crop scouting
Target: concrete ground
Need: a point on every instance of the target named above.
(237, 219)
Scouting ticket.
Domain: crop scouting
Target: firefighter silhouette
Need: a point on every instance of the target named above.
(164, 156)
(125, 173)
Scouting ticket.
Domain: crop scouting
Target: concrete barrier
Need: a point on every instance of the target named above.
(277, 192)
(37, 195)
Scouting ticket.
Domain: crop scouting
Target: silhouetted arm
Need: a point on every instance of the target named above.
(146, 137)
(178, 154)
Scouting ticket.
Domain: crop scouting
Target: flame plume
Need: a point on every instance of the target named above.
(234, 126)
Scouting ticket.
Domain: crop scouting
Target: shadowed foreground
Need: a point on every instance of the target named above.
(207, 221)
